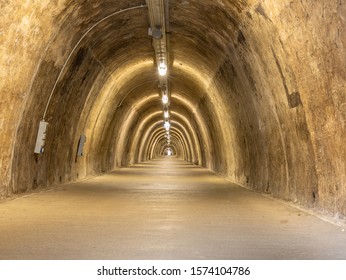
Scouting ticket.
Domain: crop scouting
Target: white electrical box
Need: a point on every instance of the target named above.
(41, 137)
(81, 143)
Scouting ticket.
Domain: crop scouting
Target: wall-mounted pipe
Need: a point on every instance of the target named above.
(76, 46)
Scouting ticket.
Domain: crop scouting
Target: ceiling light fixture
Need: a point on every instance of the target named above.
(167, 125)
(165, 99)
(162, 69)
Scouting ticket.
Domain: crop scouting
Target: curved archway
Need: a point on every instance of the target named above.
(245, 96)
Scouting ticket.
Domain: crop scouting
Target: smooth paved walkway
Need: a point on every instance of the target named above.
(165, 209)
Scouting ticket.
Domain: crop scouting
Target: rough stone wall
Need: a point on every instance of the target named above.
(72, 101)
(278, 87)
(26, 30)
(297, 58)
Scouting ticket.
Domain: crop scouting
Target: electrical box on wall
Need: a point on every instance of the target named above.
(81, 143)
(41, 137)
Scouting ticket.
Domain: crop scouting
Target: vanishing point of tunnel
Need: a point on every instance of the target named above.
(173, 129)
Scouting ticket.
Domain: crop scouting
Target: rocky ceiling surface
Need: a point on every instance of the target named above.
(257, 92)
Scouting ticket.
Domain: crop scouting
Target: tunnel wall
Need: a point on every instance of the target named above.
(266, 80)
(295, 65)
(267, 101)
(26, 31)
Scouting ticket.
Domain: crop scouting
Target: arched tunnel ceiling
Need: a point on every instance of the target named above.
(243, 78)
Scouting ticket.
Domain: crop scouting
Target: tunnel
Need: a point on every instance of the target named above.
(249, 91)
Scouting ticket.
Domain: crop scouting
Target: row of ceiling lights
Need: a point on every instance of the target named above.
(165, 101)
(158, 14)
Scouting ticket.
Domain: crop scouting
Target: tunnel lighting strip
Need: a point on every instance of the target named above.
(80, 40)
(158, 15)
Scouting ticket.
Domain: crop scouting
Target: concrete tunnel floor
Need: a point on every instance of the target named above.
(163, 209)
